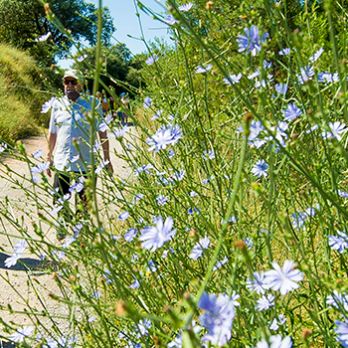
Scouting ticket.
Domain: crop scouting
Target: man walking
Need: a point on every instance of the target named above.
(70, 148)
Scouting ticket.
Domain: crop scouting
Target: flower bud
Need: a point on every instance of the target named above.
(120, 309)
(306, 333)
(209, 5)
(240, 244)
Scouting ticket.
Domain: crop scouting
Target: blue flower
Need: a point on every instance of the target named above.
(138, 197)
(220, 263)
(152, 266)
(284, 52)
(342, 194)
(298, 219)
(257, 283)
(157, 115)
(305, 74)
(171, 153)
(36, 154)
(336, 130)
(18, 251)
(193, 210)
(338, 301)
(202, 70)
(283, 279)
(249, 242)
(267, 64)
(327, 77)
(186, 7)
(281, 320)
(135, 284)
(101, 165)
(143, 169)
(292, 112)
(275, 342)
(170, 20)
(208, 154)
(255, 74)
(260, 169)
(197, 250)
(143, 326)
(251, 41)
(342, 333)
(232, 79)
(3, 147)
(179, 175)
(265, 302)
(147, 102)
(120, 133)
(281, 88)
(256, 128)
(123, 216)
(40, 168)
(152, 59)
(316, 55)
(218, 317)
(161, 200)
(153, 237)
(130, 234)
(165, 136)
(340, 242)
(76, 187)
(21, 334)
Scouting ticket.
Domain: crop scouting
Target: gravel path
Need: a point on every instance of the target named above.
(17, 293)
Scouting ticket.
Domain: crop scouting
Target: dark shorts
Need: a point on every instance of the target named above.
(62, 183)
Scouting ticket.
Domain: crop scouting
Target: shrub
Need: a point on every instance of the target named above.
(21, 95)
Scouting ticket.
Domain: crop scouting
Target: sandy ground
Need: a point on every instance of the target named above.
(16, 291)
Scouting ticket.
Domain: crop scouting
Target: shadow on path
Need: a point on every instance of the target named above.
(6, 345)
(25, 264)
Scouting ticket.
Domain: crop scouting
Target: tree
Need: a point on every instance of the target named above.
(23, 22)
(118, 64)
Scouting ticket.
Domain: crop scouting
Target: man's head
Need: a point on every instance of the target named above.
(72, 87)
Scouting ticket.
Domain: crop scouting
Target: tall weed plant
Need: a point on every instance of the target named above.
(231, 230)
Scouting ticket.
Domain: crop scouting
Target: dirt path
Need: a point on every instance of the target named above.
(15, 283)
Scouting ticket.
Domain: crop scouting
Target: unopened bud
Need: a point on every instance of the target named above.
(120, 309)
(156, 341)
(72, 278)
(209, 5)
(306, 333)
(47, 9)
(248, 117)
(240, 244)
(192, 232)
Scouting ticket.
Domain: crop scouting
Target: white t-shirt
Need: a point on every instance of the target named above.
(71, 121)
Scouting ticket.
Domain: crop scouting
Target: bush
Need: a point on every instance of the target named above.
(21, 95)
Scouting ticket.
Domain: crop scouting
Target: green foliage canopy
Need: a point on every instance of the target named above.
(119, 66)
(23, 21)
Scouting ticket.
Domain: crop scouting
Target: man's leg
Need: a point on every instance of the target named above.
(62, 184)
(81, 204)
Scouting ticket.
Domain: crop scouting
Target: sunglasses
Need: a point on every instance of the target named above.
(73, 82)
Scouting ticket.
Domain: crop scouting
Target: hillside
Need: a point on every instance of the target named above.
(20, 95)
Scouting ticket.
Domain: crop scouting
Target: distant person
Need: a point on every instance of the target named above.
(124, 109)
(69, 138)
(103, 101)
